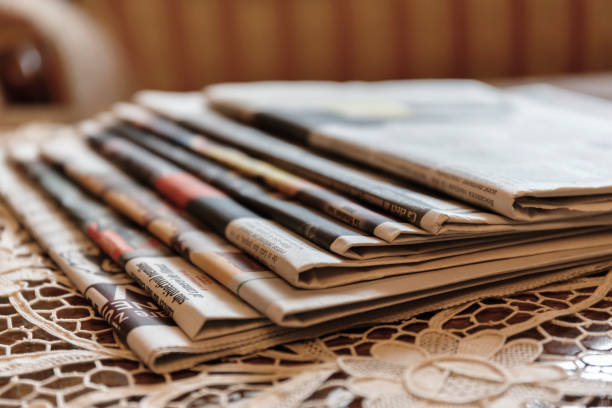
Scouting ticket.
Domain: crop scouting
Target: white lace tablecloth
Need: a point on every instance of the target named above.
(552, 344)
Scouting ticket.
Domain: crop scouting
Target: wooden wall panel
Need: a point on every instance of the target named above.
(257, 39)
(430, 30)
(489, 38)
(185, 44)
(371, 31)
(314, 29)
(202, 41)
(598, 47)
(548, 29)
(148, 30)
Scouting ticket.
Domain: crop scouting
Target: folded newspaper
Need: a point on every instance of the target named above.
(252, 241)
(145, 327)
(409, 203)
(302, 263)
(326, 305)
(513, 154)
(327, 233)
(290, 185)
(203, 308)
(263, 289)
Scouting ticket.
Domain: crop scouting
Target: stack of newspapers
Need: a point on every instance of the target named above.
(201, 225)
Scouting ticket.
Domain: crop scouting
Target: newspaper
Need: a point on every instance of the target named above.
(520, 157)
(143, 326)
(154, 338)
(165, 347)
(564, 99)
(331, 235)
(199, 305)
(424, 209)
(318, 229)
(298, 261)
(264, 290)
(290, 185)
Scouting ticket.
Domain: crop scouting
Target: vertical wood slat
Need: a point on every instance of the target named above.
(258, 41)
(577, 20)
(230, 54)
(430, 26)
(314, 46)
(400, 38)
(343, 39)
(285, 22)
(373, 39)
(489, 38)
(518, 38)
(187, 43)
(547, 48)
(598, 46)
(201, 39)
(147, 26)
(179, 53)
(459, 37)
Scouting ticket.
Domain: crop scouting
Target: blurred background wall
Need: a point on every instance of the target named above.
(95, 51)
(184, 44)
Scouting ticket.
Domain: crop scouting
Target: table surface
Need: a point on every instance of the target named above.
(549, 343)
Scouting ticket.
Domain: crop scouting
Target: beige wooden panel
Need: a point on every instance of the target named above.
(547, 36)
(430, 30)
(148, 28)
(203, 40)
(257, 35)
(372, 39)
(489, 37)
(314, 39)
(173, 44)
(598, 49)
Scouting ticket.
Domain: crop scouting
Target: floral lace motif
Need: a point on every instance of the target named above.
(440, 368)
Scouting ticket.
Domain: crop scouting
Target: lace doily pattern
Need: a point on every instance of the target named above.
(551, 344)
